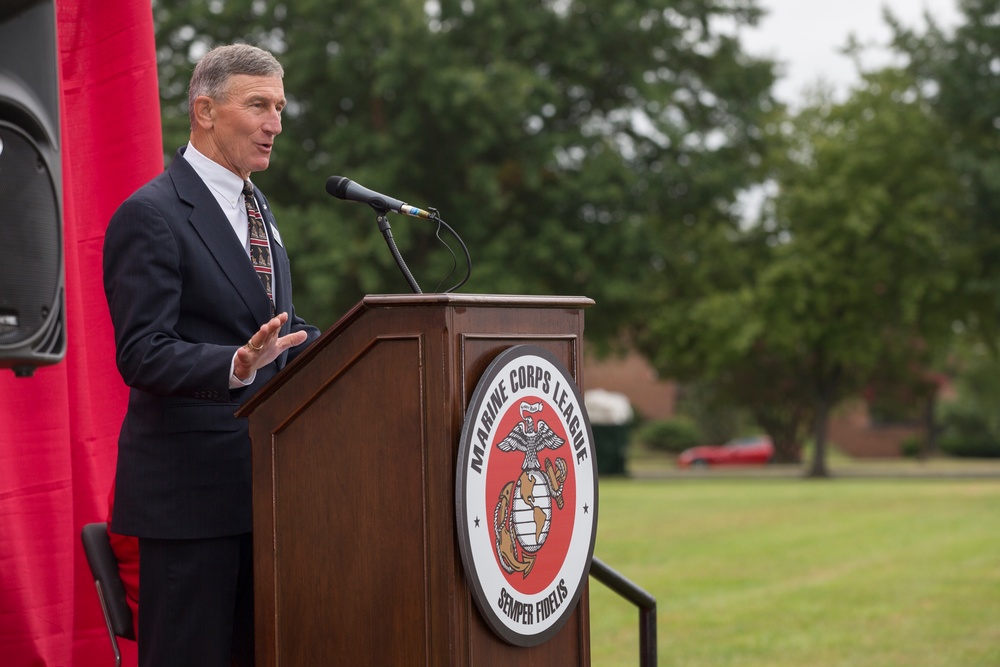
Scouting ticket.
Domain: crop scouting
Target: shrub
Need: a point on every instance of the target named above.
(911, 446)
(670, 435)
(971, 422)
(971, 447)
(969, 432)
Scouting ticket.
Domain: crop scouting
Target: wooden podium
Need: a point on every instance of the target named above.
(356, 559)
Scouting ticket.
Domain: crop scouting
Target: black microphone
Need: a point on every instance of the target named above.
(345, 188)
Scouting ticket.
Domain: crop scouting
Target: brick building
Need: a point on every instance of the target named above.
(851, 428)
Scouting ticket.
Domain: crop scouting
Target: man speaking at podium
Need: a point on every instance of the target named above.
(200, 295)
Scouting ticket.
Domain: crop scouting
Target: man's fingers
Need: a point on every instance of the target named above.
(293, 339)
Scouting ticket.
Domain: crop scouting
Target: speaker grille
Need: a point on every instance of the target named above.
(30, 239)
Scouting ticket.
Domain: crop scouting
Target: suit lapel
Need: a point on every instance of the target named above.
(217, 235)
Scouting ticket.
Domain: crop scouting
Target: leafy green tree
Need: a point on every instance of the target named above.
(850, 265)
(868, 201)
(959, 73)
(575, 145)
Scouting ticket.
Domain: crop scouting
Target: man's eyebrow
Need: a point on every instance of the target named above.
(257, 97)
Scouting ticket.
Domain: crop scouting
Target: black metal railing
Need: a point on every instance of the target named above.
(641, 599)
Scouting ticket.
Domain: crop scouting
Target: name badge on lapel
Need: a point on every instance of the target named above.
(276, 236)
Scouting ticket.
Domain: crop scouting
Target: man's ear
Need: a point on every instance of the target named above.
(204, 111)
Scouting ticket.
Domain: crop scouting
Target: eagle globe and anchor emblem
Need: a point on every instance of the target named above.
(524, 509)
(526, 495)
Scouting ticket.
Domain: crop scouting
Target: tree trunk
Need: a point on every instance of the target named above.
(824, 403)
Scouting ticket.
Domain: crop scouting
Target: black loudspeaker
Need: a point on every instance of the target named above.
(32, 275)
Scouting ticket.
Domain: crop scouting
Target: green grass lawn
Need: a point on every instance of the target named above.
(800, 573)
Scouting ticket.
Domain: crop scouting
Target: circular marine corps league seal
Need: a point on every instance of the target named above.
(526, 495)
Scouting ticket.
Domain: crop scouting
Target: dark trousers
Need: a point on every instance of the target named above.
(196, 602)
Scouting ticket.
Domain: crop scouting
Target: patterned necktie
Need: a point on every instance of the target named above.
(260, 253)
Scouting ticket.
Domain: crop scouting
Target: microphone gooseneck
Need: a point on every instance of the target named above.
(344, 188)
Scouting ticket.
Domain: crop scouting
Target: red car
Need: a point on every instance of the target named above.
(742, 451)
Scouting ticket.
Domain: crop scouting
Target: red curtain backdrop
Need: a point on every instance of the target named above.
(59, 428)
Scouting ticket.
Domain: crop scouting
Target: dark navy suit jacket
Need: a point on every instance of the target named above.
(183, 297)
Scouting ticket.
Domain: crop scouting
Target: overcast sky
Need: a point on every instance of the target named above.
(806, 35)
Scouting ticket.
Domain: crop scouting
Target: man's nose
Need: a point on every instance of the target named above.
(273, 124)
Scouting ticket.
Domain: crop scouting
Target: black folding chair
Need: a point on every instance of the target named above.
(110, 591)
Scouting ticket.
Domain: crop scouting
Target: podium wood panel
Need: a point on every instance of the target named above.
(356, 556)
